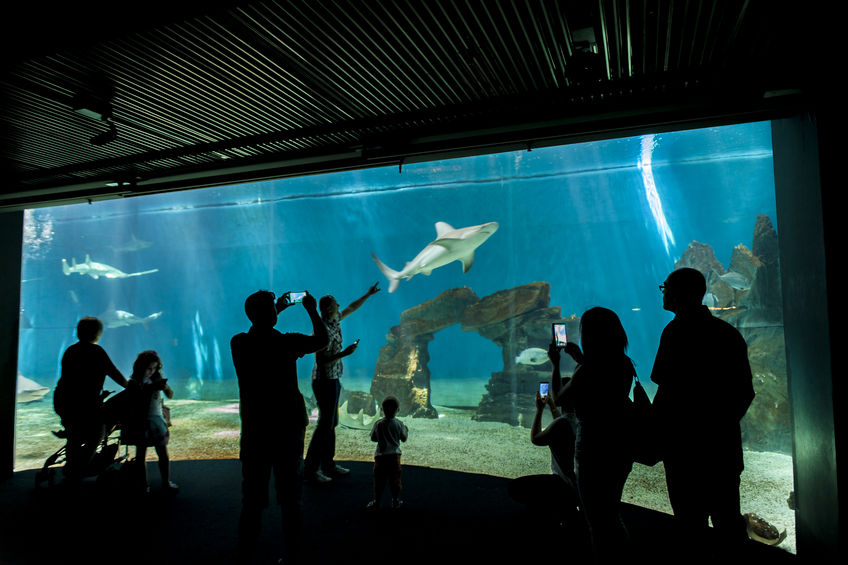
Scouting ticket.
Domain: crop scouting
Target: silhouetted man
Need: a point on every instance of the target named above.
(704, 389)
(273, 417)
(78, 396)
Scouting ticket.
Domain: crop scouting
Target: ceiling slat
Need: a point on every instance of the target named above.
(257, 82)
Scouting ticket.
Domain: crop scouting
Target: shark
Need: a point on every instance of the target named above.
(113, 318)
(96, 270)
(451, 244)
(134, 244)
(29, 390)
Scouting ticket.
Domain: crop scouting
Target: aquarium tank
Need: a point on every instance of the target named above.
(475, 258)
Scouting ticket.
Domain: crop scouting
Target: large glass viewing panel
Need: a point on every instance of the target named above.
(548, 233)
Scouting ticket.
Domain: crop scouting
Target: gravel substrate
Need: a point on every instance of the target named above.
(209, 430)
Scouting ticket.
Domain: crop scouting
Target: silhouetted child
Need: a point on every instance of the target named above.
(146, 426)
(388, 432)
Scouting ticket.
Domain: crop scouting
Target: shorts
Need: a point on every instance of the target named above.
(387, 469)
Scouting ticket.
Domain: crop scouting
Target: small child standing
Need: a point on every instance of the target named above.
(388, 432)
(146, 427)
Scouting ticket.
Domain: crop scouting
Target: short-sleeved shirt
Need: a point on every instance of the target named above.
(325, 368)
(271, 404)
(704, 388)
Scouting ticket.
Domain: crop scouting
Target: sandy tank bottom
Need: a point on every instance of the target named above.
(210, 430)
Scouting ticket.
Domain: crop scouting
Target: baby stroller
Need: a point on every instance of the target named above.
(105, 455)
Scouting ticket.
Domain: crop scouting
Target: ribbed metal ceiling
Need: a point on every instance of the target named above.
(263, 89)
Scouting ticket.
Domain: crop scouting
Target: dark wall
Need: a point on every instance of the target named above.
(11, 234)
(806, 261)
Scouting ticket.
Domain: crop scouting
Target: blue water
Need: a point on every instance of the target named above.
(603, 222)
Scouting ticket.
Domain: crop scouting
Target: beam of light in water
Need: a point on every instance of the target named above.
(648, 144)
(216, 360)
(201, 353)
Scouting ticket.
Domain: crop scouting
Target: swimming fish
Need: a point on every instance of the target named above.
(134, 244)
(532, 356)
(450, 245)
(735, 280)
(28, 390)
(96, 270)
(359, 421)
(112, 318)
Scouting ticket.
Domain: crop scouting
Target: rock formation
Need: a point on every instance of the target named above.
(757, 312)
(401, 369)
(515, 319)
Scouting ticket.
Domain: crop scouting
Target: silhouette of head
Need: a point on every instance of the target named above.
(390, 406)
(89, 329)
(144, 360)
(261, 309)
(601, 333)
(329, 307)
(684, 288)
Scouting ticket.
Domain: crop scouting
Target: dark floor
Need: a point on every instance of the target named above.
(448, 517)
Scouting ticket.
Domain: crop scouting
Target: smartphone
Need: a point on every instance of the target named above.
(356, 342)
(294, 297)
(560, 338)
(544, 388)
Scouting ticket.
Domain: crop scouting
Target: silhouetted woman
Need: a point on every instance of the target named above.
(599, 392)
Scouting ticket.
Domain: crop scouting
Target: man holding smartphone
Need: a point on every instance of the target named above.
(320, 466)
(273, 416)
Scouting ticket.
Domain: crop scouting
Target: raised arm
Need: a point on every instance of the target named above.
(560, 386)
(539, 436)
(319, 338)
(354, 306)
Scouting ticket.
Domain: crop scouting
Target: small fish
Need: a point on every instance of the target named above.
(532, 356)
(735, 280)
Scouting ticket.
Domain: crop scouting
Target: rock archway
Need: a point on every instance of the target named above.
(514, 319)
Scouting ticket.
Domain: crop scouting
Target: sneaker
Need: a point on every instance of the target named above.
(319, 477)
(371, 505)
(339, 470)
(396, 503)
(171, 487)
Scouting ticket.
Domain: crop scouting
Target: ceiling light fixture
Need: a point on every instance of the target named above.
(95, 107)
